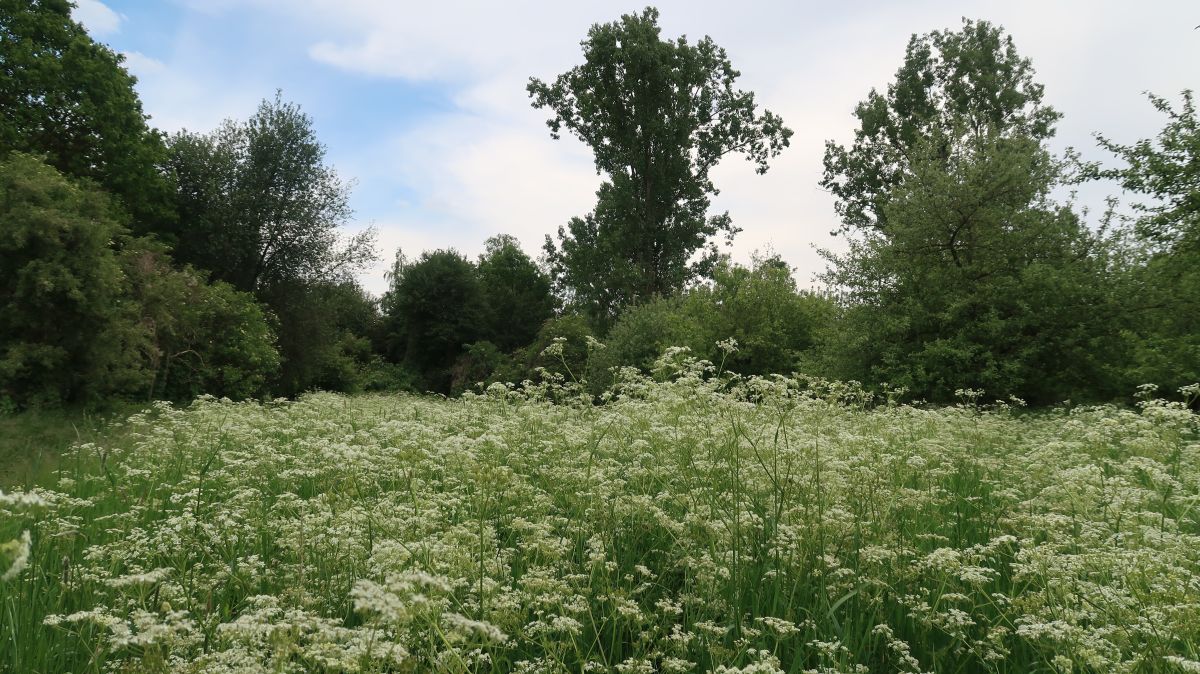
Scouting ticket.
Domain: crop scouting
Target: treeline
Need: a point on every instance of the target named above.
(135, 264)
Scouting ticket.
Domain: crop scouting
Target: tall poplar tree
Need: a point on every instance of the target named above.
(659, 115)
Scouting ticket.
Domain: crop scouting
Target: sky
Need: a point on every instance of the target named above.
(422, 106)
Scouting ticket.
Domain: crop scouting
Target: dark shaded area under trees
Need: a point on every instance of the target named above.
(138, 266)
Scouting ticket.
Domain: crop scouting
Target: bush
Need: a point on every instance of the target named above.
(561, 348)
(65, 334)
(483, 363)
(643, 332)
(324, 335)
(195, 337)
(759, 307)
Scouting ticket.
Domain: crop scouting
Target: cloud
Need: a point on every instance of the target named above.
(141, 65)
(377, 55)
(475, 176)
(97, 17)
(452, 41)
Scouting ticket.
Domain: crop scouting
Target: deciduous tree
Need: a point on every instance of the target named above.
(516, 294)
(953, 85)
(66, 327)
(980, 282)
(962, 271)
(257, 204)
(1163, 303)
(432, 311)
(69, 98)
(658, 115)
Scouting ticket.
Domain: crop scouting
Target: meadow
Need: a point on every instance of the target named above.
(690, 523)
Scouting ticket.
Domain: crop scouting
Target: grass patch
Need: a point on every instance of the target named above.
(32, 442)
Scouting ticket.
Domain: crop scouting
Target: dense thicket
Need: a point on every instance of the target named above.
(515, 293)
(434, 308)
(325, 335)
(772, 325)
(61, 288)
(196, 337)
(87, 312)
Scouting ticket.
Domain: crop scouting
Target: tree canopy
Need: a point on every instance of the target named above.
(962, 271)
(1167, 170)
(1163, 290)
(658, 115)
(433, 308)
(952, 85)
(515, 293)
(64, 96)
(258, 206)
(58, 269)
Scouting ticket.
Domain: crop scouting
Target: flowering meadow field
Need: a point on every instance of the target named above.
(684, 526)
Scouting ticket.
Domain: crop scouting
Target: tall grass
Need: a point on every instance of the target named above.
(683, 526)
(32, 442)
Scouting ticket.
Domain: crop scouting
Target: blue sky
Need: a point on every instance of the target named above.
(423, 105)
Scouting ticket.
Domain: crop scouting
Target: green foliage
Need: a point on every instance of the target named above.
(641, 334)
(1167, 170)
(658, 115)
(260, 210)
(774, 326)
(562, 349)
(1162, 300)
(515, 294)
(979, 282)
(257, 205)
(433, 309)
(89, 313)
(760, 307)
(64, 336)
(483, 363)
(198, 338)
(325, 331)
(454, 324)
(961, 271)
(953, 85)
(67, 98)
(378, 374)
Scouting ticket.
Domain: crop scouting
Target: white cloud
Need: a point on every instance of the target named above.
(439, 40)
(141, 65)
(97, 17)
(376, 56)
(478, 176)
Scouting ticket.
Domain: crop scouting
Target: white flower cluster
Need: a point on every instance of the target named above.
(689, 524)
